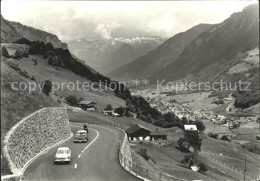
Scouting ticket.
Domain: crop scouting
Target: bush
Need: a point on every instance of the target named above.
(143, 152)
(72, 100)
(47, 87)
(187, 158)
(225, 138)
(203, 167)
(48, 54)
(200, 125)
(35, 61)
(5, 52)
(212, 135)
(54, 61)
(18, 54)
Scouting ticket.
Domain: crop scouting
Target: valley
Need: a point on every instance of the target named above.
(190, 127)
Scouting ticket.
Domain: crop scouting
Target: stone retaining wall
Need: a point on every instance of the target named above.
(34, 134)
(125, 151)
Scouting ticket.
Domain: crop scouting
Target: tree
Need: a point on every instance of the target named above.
(119, 110)
(18, 54)
(200, 125)
(5, 52)
(72, 100)
(108, 107)
(47, 87)
(212, 135)
(35, 61)
(190, 139)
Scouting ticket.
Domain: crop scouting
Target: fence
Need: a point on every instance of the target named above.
(146, 173)
(229, 166)
(125, 160)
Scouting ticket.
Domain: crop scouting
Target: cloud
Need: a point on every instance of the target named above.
(71, 20)
(105, 30)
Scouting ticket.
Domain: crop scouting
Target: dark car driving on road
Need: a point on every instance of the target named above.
(81, 136)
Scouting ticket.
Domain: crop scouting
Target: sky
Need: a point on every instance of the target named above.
(72, 20)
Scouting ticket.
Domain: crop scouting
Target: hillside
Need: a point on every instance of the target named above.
(16, 105)
(228, 51)
(105, 55)
(219, 45)
(160, 57)
(11, 31)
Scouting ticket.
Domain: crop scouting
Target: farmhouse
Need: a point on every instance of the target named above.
(108, 112)
(158, 135)
(138, 133)
(190, 127)
(87, 105)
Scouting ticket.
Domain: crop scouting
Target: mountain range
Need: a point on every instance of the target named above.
(203, 52)
(105, 55)
(159, 57)
(218, 46)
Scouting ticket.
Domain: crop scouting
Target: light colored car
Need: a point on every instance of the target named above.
(63, 155)
(81, 136)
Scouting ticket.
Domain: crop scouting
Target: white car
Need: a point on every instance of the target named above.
(63, 155)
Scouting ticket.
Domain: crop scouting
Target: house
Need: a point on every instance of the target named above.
(138, 133)
(158, 135)
(108, 112)
(190, 127)
(85, 105)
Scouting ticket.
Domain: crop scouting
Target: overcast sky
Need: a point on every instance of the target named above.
(105, 19)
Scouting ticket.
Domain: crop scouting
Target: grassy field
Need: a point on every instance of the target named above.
(196, 100)
(168, 158)
(43, 72)
(16, 105)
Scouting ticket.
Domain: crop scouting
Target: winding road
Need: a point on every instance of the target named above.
(96, 160)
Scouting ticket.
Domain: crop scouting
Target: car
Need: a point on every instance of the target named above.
(81, 136)
(85, 127)
(63, 155)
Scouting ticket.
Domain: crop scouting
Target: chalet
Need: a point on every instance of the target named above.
(158, 135)
(108, 112)
(138, 133)
(85, 105)
(190, 127)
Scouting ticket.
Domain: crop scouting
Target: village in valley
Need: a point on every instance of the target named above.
(200, 115)
(56, 93)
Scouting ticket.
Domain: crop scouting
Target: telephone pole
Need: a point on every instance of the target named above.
(245, 170)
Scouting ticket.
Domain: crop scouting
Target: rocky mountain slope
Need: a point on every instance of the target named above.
(11, 31)
(108, 54)
(160, 57)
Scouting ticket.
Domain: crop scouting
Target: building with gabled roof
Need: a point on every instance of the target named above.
(138, 133)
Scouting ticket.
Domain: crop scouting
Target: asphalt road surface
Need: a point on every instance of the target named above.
(96, 160)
